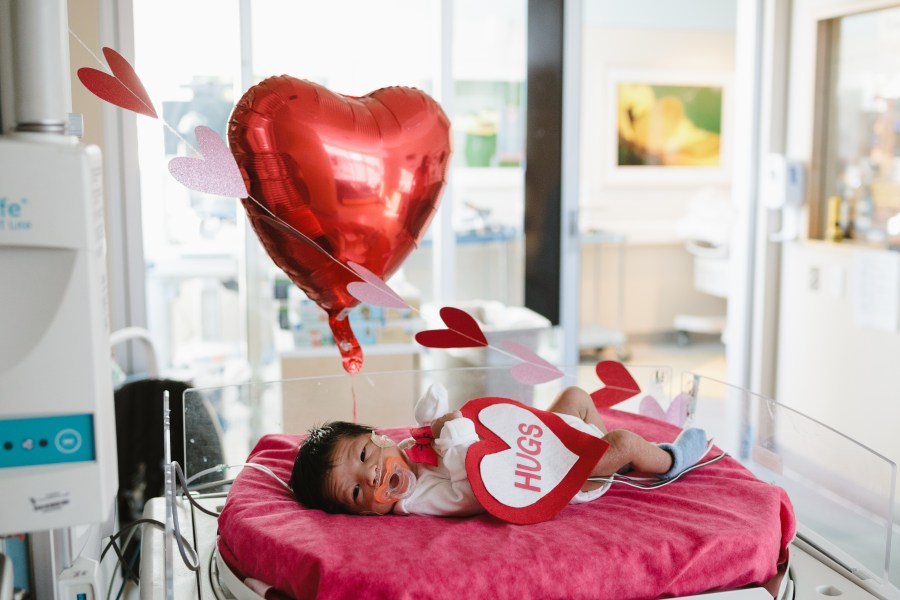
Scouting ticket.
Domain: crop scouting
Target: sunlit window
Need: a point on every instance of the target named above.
(210, 287)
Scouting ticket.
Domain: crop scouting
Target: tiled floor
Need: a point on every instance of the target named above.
(703, 356)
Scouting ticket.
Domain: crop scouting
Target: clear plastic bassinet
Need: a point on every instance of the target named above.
(843, 492)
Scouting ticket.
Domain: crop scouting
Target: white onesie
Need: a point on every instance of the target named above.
(444, 490)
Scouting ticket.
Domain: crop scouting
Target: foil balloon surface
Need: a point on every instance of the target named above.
(359, 178)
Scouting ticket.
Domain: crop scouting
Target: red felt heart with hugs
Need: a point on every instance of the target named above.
(529, 463)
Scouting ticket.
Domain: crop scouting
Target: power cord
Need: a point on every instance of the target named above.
(184, 547)
(223, 467)
(112, 543)
(134, 557)
(209, 572)
(112, 579)
(652, 483)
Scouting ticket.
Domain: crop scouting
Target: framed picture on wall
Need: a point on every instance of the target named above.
(668, 127)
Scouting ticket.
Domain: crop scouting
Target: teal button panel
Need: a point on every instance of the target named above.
(46, 440)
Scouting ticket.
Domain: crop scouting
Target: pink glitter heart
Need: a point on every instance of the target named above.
(676, 414)
(534, 369)
(372, 289)
(215, 173)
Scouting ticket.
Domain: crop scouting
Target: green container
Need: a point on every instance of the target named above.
(480, 149)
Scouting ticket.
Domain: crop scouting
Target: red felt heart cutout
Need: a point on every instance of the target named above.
(360, 177)
(618, 382)
(529, 463)
(123, 88)
(463, 331)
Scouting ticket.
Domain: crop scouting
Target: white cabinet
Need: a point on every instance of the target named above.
(831, 367)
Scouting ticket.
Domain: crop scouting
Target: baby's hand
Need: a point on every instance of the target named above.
(438, 424)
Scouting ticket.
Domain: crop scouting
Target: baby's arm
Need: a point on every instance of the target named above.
(453, 434)
(438, 424)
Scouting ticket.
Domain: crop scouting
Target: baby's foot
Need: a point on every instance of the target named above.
(688, 448)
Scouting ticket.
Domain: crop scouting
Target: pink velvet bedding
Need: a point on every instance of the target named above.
(717, 528)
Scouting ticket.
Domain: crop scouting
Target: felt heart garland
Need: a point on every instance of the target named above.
(123, 88)
(216, 172)
(462, 331)
(676, 413)
(534, 369)
(618, 382)
(373, 290)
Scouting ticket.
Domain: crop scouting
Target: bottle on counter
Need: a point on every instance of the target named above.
(834, 232)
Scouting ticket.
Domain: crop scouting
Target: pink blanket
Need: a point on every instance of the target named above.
(717, 528)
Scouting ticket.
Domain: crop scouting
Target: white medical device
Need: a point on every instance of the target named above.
(57, 419)
(782, 192)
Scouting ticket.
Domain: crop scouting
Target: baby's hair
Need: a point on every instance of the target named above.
(315, 460)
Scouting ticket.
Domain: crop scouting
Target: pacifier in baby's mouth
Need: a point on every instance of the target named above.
(397, 479)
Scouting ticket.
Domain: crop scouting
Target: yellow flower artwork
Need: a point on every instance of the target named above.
(669, 125)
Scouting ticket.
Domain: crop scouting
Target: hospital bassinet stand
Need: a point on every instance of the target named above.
(711, 276)
(843, 493)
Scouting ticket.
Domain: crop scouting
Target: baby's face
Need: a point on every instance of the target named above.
(353, 479)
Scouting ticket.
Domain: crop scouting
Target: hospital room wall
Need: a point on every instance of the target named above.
(658, 269)
(838, 336)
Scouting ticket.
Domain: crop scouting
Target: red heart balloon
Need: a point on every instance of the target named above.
(359, 178)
